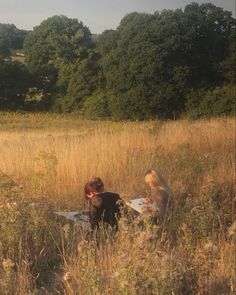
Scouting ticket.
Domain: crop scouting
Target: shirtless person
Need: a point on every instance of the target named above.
(161, 193)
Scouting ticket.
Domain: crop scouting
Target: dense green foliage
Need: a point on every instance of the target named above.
(14, 85)
(10, 38)
(161, 65)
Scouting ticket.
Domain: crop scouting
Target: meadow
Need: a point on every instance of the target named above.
(52, 156)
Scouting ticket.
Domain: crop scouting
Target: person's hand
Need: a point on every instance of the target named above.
(90, 195)
(71, 283)
(68, 277)
(147, 200)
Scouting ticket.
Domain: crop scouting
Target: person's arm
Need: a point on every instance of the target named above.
(93, 216)
(161, 200)
(71, 284)
(120, 207)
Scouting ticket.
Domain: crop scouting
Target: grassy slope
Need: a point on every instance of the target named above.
(53, 156)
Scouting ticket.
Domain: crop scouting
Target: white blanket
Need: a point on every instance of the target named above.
(80, 218)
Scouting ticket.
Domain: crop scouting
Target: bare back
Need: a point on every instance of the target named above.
(162, 199)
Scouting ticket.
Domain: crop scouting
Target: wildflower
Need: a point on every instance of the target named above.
(11, 205)
(7, 264)
(81, 246)
(195, 209)
(71, 283)
(116, 274)
(125, 259)
(232, 230)
(67, 277)
(66, 229)
(210, 248)
(143, 238)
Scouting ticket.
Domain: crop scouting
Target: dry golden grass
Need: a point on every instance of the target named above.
(120, 153)
(53, 156)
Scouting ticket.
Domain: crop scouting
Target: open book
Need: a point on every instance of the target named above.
(140, 206)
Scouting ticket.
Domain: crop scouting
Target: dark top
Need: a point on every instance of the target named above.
(109, 211)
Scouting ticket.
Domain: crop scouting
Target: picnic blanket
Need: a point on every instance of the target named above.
(78, 217)
(82, 218)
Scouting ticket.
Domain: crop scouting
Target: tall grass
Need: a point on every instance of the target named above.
(53, 156)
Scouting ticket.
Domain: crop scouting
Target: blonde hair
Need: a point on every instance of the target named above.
(159, 181)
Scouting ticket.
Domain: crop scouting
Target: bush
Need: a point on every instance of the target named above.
(96, 106)
(217, 102)
(15, 81)
(129, 105)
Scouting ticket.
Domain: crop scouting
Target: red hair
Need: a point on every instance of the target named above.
(95, 185)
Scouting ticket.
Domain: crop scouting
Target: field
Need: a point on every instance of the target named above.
(52, 156)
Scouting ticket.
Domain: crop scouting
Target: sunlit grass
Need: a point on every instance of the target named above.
(52, 156)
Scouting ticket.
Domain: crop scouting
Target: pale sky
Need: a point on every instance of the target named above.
(98, 15)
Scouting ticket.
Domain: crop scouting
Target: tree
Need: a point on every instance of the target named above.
(209, 29)
(152, 65)
(76, 82)
(153, 61)
(10, 38)
(229, 64)
(14, 85)
(5, 42)
(54, 50)
(219, 101)
(107, 41)
(56, 40)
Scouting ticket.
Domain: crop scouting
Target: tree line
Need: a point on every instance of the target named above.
(168, 64)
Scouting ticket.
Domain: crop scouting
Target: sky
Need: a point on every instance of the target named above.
(98, 15)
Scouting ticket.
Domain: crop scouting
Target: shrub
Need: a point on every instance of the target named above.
(212, 103)
(96, 106)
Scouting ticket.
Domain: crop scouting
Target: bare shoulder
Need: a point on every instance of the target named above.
(161, 195)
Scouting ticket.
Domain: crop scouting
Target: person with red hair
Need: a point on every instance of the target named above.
(104, 206)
